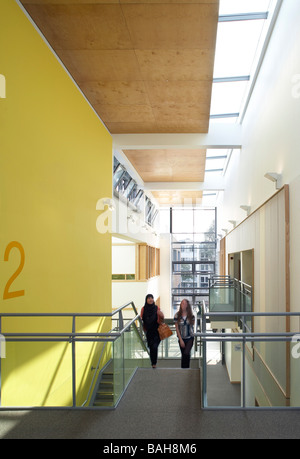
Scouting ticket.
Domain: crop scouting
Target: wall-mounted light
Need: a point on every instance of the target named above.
(108, 202)
(277, 178)
(225, 231)
(233, 222)
(246, 209)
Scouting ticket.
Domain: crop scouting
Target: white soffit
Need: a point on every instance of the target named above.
(220, 135)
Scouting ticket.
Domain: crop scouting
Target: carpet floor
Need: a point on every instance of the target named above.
(159, 404)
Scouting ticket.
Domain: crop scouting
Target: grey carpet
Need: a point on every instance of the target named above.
(158, 404)
(220, 391)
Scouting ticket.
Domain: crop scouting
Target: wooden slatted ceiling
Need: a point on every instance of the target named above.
(146, 66)
(169, 198)
(168, 165)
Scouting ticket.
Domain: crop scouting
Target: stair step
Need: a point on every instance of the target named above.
(108, 375)
(106, 386)
(105, 391)
(104, 398)
(102, 394)
(103, 403)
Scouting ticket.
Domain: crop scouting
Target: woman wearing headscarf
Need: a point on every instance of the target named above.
(152, 316)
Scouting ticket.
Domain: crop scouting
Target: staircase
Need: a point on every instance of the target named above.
(105, 391)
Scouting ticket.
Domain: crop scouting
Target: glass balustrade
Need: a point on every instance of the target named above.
(239, 373)
(64, 368)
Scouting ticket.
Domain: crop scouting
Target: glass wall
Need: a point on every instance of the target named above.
(125, 187)
(193, 252)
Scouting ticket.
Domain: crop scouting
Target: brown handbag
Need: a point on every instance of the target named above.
(164, 331)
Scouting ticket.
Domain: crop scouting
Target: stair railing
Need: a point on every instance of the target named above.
(72, 337)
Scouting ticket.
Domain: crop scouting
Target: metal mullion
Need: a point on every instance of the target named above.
(215, 157)
(243, 17)
(232, 79)
(0, 365)
(225, 115)
(123, 172)
(74, 363)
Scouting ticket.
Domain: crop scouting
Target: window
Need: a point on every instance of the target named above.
(243, 32)
(193, 253)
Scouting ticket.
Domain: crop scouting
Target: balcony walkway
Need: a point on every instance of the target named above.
(158, 404)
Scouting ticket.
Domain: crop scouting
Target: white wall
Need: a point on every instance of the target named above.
(137, 230)
(271, 134)
(265, 232)
(165, 274)
(123, 259)
(124, 292)
(271, 142)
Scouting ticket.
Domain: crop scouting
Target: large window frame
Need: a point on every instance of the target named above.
(193, 258)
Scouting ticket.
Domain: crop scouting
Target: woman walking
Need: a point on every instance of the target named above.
(184, 323)
(152, 317)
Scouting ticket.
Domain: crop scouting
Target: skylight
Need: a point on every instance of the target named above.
(241, 35)
(243, 6)
(243, 32)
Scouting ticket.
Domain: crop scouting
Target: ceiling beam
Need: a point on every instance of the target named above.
(220, 135)
(216, 184)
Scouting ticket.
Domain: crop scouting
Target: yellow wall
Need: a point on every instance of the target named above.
(55, 164)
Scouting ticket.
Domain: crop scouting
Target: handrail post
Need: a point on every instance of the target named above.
(244, 372)
(121, 322)
(0, 366)
(204, 357)
(73, 362)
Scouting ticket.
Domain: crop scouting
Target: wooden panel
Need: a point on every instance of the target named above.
(179, 115)
(184, 126)
(223, 257)
(267, 231)
(132, 113)
(136, 127)
(178, 197)
(155, 58)
(82, 2)
(157, 261)
(101, 65)
(67, 2)
(175, 65)
(116, 93)
(83, 26)
(197, 94)
(143, 262)
(176, 26)
(168, 165)
(159, 1)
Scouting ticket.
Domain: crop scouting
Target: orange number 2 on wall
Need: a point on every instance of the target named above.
(7, 294)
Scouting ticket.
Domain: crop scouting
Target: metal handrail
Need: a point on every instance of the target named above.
(98, 365)
(94, 377)
(71, 337)
(240, 337)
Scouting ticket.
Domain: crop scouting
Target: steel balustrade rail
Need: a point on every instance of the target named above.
(244, 338)
(70, 337)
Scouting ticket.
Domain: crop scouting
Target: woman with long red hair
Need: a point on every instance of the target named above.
(184, 323)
